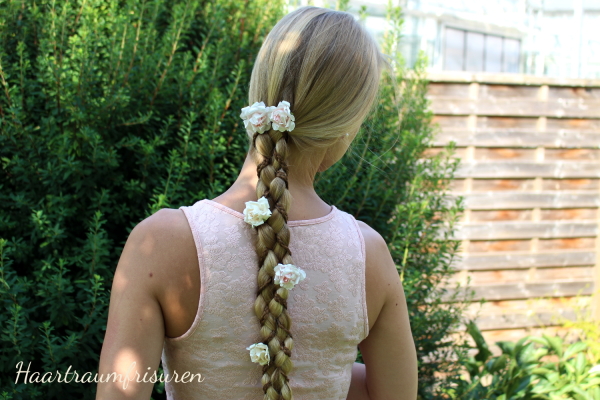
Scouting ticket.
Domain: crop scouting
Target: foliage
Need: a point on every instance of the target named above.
(588, 331)
(532, 368)
(384, 182)
(110, 111)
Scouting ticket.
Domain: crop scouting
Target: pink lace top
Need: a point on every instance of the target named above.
(328, 308)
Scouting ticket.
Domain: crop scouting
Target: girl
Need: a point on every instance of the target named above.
(266, 291)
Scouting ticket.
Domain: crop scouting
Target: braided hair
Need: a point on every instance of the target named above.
(272, 248)
(327, 67)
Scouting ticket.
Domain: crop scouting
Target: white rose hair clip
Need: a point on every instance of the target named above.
(258, 118)
(288, 275)
(257, 212)
(259, 353)
(282, 118)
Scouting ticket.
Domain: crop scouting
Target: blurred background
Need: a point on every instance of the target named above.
(554, 38)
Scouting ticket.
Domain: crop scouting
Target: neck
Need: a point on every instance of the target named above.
(306, 203)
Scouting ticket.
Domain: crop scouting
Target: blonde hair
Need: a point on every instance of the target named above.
(327, 67)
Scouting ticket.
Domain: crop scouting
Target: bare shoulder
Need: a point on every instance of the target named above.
(379, 259)
(373, 240)
(166, 224)
(162, 246)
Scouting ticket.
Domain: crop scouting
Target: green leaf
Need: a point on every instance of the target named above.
(565, 389)
(581, 365)
(555, 343)
(497, 363)
(507, 347)
(484, 352)
(574, 349)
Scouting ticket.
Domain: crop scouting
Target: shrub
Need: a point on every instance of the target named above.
(110, 111)
(532, 368)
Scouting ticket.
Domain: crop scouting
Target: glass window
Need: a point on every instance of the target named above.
(454, 51)
(493, 53)
(475, 51)
(512, 51)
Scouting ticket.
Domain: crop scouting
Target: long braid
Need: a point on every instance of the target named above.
(273, 248)
(327, 66)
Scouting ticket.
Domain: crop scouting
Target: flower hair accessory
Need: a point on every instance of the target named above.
(257, 212)
(288, 275)
(259, 353)
(282, 118)
(258, 117)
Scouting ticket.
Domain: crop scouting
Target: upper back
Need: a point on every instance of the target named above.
(328, 308)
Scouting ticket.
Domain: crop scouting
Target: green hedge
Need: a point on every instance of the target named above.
(110, 111)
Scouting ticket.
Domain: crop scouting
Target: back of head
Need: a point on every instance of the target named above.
(327, 67)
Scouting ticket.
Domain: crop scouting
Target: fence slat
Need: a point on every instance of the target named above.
(507, 138)
(525, 230)
(513, 200)
(525, 260)
(520, 169)
(527, 290)
(558, 108)
(512, 321)
(455, 77)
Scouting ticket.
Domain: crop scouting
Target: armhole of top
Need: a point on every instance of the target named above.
(189, 214)
(363, 282)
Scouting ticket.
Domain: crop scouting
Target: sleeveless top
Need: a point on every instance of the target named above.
(328, 309)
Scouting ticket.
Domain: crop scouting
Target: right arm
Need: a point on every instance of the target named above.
(390, 371)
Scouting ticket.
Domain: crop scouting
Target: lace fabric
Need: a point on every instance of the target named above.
(328, 308)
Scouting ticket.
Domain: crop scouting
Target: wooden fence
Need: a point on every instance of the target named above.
(530, 177)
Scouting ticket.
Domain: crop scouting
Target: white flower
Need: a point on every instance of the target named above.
(282, 117)
(595, 369)
(259, 353)
(257, 117)
(288, 275)
(257, 212)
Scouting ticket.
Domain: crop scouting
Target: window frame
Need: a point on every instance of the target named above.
(485, 34)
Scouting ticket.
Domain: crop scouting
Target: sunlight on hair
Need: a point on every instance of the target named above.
(289, 43)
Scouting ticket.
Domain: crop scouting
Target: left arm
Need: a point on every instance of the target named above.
(135, 329)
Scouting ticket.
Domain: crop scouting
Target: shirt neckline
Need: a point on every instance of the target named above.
(298, 222)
